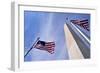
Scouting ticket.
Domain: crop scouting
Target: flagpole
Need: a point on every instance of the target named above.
(32, 47)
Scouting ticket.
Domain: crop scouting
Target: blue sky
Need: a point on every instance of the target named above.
(49, 26)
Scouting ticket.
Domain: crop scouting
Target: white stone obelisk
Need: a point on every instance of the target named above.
(72, 47)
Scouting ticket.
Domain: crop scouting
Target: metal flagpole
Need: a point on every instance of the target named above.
(32, 46)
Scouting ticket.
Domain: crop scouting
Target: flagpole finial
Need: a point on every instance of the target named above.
(67, 18)
(38, 38)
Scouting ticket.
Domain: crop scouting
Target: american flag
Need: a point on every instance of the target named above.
(47, 46)
(83, 23)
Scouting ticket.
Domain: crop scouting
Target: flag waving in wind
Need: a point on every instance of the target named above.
(82, 23)
(42, 45)
(47, 46)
